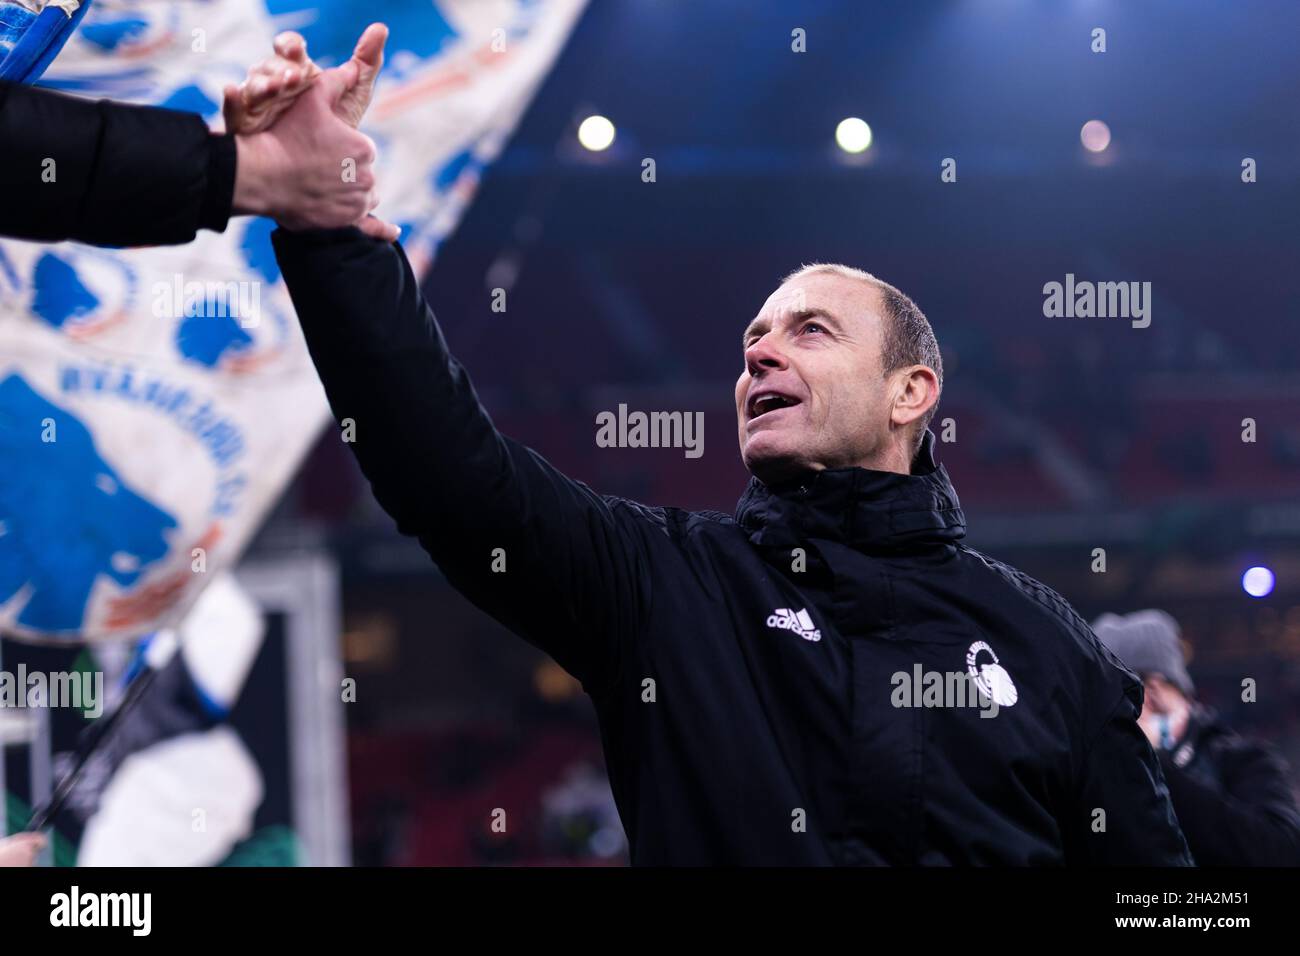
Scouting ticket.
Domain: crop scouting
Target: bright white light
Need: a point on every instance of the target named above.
(1257, 582)
(1095, 136)
(853, 135)
(596, 133)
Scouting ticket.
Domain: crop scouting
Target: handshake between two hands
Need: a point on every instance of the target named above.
(301, 159)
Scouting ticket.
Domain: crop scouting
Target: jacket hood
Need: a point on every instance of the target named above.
(878, 511)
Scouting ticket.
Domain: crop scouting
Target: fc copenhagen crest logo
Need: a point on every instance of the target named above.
(989, 676)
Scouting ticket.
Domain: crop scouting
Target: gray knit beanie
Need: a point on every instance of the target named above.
(1148, 642)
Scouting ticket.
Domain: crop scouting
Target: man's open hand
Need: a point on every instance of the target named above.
(309, 167)
(274, 84)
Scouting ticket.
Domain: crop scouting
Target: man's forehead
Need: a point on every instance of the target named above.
(827, 293)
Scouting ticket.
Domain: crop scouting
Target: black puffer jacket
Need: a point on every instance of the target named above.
(749, 674)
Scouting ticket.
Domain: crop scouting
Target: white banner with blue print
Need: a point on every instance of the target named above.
(155, 402)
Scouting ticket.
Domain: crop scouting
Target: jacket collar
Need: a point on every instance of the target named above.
(878, 511)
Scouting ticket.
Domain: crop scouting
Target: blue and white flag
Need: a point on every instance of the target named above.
(155, 402)
(32, 32)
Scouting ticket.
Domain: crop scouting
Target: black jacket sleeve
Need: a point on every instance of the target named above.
(109, 173)
(1251, 821)
(558, 564)
(1124, 816)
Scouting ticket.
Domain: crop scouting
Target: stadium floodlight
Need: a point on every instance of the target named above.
(853, 135)
(596, 133)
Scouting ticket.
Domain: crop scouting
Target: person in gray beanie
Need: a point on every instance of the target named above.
(1232, 796)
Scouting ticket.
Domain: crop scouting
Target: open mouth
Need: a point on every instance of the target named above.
(766, 402)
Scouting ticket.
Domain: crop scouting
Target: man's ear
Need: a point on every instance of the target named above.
(916, 393)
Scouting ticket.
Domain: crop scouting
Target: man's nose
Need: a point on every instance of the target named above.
(763, 356)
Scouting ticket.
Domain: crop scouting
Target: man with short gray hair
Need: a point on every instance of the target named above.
(745, 669)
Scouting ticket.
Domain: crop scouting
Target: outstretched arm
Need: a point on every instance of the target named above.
(555, 562)
(122, 175)
(109, 173)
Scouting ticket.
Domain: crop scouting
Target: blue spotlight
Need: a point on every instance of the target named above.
(1258, 582)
